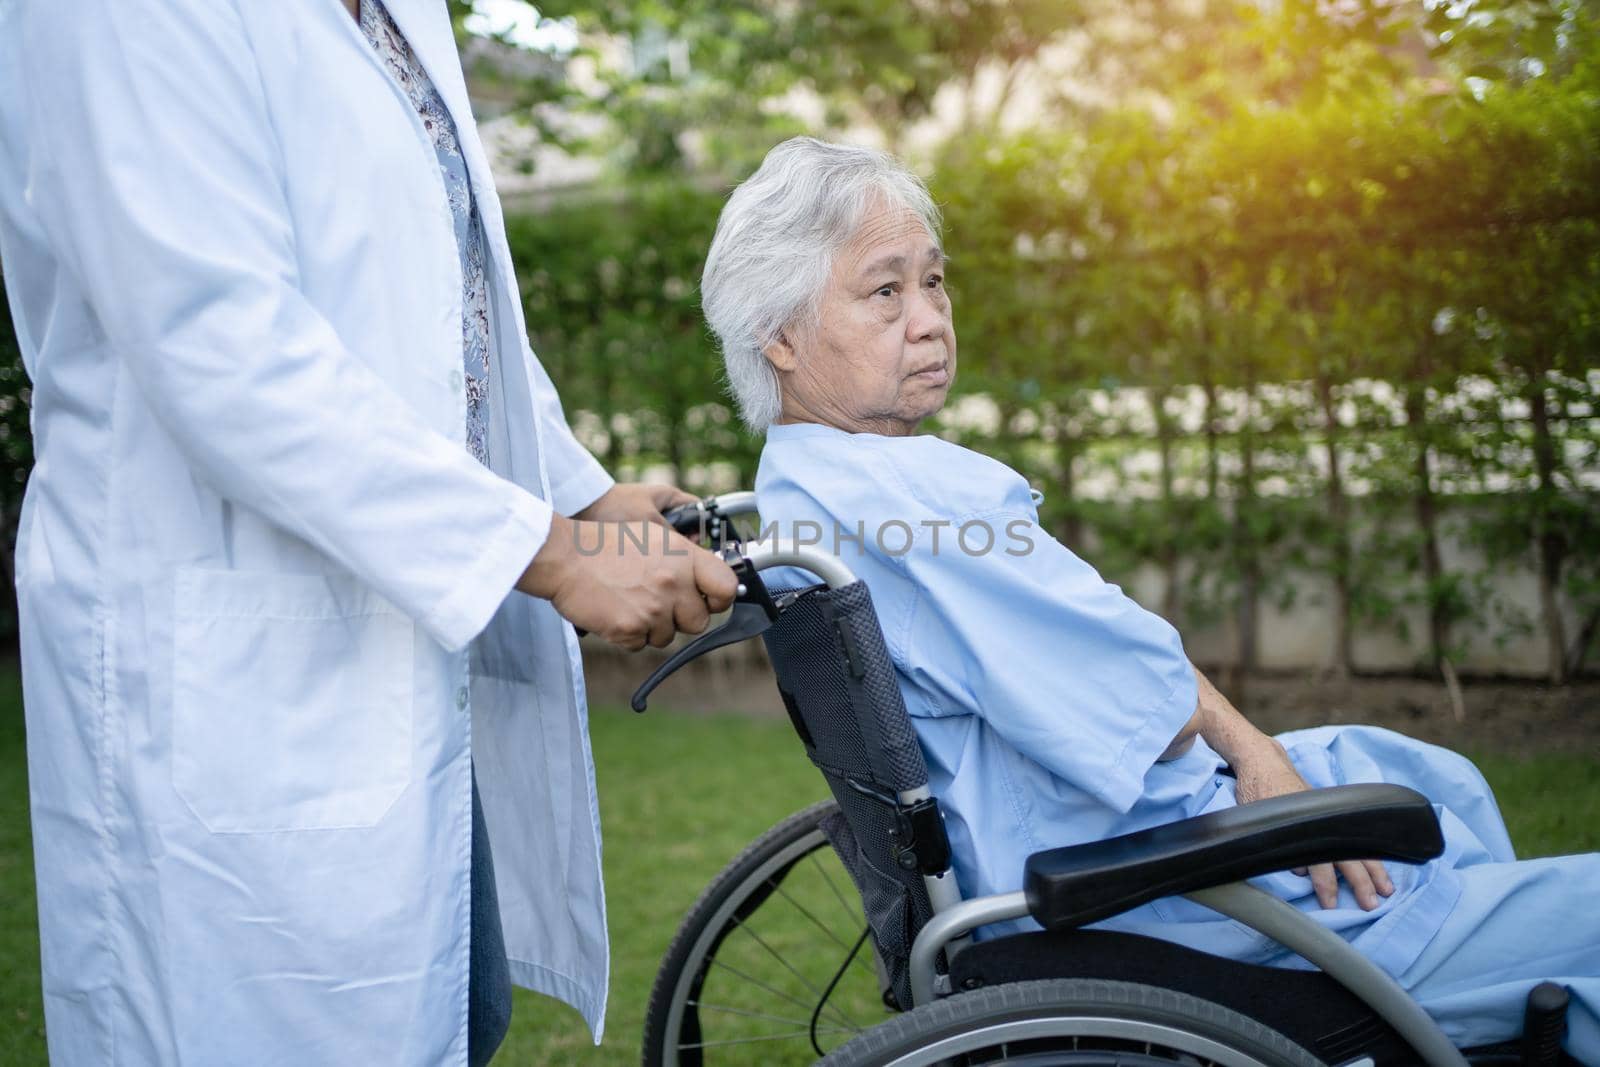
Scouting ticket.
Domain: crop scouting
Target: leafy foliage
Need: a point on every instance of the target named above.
(1295, 305)
(1321, 256)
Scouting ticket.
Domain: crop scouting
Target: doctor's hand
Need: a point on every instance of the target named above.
(1268, 772)
(633, 583)
(627, 501)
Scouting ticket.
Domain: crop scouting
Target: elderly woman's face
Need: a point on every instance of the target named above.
(883, 354)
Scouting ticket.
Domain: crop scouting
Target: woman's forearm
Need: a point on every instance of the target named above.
(1216, 720)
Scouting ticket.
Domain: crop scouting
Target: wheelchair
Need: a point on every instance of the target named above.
(839, 935)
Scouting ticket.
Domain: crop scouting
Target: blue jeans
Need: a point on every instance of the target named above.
(488, 976)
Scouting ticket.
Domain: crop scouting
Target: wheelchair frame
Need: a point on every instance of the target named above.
(954, 918)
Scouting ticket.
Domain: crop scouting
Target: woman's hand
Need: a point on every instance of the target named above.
(635, 501)
(1265, 771)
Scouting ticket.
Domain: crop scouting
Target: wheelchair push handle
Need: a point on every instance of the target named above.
(687, 519)
(753, 608)
(708, 517)
(711, 518)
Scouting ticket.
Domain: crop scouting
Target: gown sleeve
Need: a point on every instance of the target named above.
(156, 177)
(1063, 665)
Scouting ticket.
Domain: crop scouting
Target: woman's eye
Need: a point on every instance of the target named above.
(886, 290)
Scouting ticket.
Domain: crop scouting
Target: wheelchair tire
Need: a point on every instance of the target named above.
(1071, 1021)
(726, 996)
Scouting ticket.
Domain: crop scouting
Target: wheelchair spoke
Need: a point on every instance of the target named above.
(732, 991)
(849, 912)
(759, 984)
(818, 923)
(775, 954)
(703, 1006)
(854, 917)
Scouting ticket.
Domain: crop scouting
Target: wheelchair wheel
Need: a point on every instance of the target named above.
(1074, 1023)
(773, 964)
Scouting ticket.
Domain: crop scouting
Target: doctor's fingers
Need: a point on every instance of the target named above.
(690, 613)
(663, 628)
(715, 580)
(710, 585)
(667, 497)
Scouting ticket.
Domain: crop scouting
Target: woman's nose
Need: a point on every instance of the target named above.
(927, 320)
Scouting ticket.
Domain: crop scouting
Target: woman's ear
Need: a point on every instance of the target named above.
(780, 353)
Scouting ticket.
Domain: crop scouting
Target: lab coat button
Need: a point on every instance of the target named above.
(461, 698)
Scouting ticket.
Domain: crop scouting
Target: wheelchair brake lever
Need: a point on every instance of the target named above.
(753, 612)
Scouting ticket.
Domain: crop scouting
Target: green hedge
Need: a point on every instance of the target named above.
(1335, 339)
(1334, 336)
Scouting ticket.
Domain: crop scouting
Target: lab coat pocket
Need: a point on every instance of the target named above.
(292, 701)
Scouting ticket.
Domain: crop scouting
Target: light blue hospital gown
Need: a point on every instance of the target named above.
(1043, 697)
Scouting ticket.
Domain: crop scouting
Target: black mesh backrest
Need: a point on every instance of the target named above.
(839, 687)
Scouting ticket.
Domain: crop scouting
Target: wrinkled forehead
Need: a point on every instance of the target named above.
(889, 237)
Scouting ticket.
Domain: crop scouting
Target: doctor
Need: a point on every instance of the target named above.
(294, 559)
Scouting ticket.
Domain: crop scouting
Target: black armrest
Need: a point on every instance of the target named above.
(1069, 887)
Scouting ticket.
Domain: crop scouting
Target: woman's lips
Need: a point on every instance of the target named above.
(939, 375)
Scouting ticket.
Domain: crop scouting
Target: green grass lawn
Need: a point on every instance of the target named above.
(679, 795)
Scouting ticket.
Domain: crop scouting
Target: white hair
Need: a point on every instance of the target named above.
(774, 249)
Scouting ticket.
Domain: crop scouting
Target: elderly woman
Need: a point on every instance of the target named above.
(1052, 708)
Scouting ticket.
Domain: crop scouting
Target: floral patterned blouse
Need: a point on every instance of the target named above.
(402, 63)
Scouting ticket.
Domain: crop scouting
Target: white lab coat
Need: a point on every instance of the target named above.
(262, 583)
